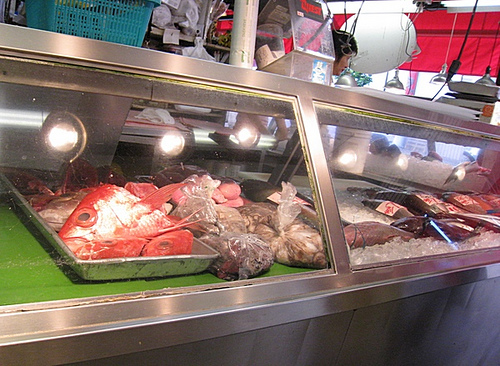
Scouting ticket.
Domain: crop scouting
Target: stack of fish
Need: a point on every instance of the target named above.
(449, 216)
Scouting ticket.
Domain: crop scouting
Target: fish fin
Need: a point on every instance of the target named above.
(161, 195)
(181, 225)
(186, 223)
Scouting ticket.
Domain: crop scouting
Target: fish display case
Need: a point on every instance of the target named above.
(161, 209)
(440, 188)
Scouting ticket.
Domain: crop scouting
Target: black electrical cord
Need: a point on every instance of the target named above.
(355, 22)
(411, 22)
(455, 65)
(494, 45)
(353, 26)
(345, 15)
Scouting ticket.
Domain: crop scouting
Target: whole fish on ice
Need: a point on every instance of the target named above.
(368, 233)
(448, 228)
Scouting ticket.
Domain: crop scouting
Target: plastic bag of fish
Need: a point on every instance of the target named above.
(242, 256)
(293, 242)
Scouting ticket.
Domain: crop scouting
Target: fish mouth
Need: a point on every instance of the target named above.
(75, 241)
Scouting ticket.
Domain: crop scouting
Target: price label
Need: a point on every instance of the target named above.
(464, 200)
(430, 200)
(452, 208)
(388, 208)
(264, 56)
(319, 72)
(275, 197)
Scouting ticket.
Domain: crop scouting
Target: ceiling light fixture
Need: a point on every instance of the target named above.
(64, 134)
(486, 78)
(395, 85)
(346, 79)
(441, 77)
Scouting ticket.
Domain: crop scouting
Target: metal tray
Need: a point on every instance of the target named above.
(466, 103)
(115, 268)
(491, 91)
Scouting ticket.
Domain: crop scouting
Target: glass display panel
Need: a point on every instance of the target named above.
(407, 189)
(197, 185)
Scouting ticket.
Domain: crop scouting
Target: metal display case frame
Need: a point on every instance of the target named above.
(398, 314)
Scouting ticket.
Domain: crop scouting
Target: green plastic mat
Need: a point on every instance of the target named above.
(32, 271)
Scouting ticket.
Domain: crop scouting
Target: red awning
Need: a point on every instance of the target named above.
(433, 37)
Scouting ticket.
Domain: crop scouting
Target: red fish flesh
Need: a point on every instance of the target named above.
(105, 249)
(79, 174)
(171, 243)
(140, 190)
(113, 215)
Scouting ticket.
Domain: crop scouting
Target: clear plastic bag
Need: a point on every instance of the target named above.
(288, 209)
(198, 51)
(257, 213)
(162, 17)
(297, 245)
(198, 201)
(186, 16)
(242, 256)
(293, 242)
(229, 219)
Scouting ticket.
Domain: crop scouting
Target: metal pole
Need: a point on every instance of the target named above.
(244, 33)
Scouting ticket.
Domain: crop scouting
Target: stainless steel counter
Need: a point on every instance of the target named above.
(396, 313)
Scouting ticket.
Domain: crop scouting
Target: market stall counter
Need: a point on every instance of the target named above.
(156, 207)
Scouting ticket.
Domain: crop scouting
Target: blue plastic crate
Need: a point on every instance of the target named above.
(119, 21)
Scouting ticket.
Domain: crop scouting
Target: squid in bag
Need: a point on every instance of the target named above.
(293, 242)
(242, 256)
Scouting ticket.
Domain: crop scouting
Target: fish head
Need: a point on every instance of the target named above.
(413, 224)
(96, 216)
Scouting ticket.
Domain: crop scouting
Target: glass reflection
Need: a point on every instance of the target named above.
(418, 193)
(172, 143)
(64, 134)
(62, 137)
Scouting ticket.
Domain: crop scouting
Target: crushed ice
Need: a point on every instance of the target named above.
(398, 249)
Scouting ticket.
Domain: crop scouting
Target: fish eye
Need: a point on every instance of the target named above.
(86, 217)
